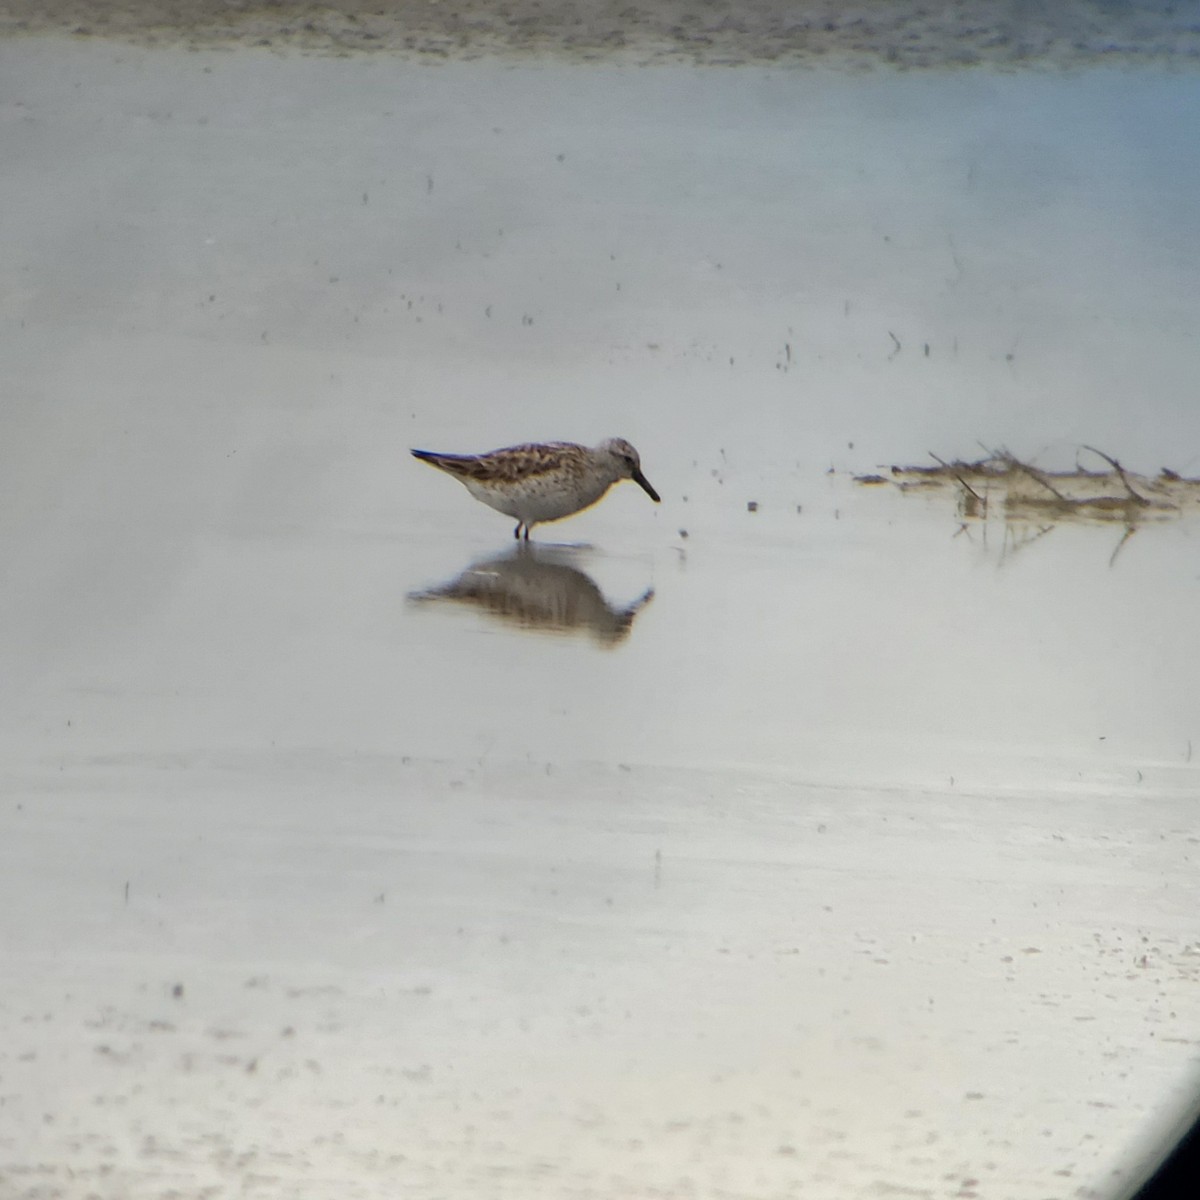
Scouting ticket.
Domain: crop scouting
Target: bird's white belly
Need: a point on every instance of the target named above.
(542, 499)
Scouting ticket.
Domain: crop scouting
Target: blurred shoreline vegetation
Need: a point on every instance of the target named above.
(857, 34)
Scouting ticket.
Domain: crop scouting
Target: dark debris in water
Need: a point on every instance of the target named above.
(1003, 484)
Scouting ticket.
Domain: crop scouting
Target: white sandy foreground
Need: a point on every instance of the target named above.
(865, 864)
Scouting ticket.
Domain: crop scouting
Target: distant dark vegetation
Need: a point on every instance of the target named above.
(1006, 33)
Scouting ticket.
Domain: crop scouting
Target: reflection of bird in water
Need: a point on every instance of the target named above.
(545, 482)
(532, 588)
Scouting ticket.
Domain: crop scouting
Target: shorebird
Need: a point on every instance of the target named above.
(545, 481)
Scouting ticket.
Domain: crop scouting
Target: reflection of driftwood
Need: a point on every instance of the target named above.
(1028, 493)
(533, 588)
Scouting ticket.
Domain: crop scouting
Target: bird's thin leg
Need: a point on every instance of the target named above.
(517, 531)
(527, 533)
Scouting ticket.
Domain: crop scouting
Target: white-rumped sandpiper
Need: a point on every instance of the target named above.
(545, 481)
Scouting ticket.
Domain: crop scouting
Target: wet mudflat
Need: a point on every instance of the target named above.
(889, 882)
(790, 837)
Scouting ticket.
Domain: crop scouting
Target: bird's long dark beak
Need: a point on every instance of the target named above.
(644, 484)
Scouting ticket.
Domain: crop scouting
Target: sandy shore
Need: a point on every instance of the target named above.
(999, 32)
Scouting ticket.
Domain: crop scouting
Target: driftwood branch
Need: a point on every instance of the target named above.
(1014, 462)
(941, 462)
(1116, 466)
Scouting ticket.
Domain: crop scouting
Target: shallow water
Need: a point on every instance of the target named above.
(791, 836)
